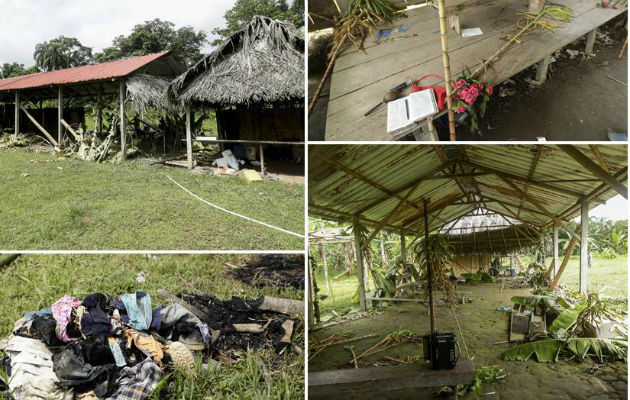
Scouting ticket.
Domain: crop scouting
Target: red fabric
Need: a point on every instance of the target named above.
(439, 91)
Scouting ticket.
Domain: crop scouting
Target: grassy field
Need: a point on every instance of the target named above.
(607, 277)
(36, 281)
(63, 204)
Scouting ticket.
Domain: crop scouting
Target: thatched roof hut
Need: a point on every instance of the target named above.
(262, 64)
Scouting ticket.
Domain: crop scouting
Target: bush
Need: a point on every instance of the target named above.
(608, 253)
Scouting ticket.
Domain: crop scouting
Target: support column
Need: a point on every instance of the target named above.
(322, 251)
(99, 114)
(59, 115)
(262, 159)
(541, 71)
(189, 151)
(555, 250)
(359, 266)
(590, 41)
(123, 121)
(17, 115)
(584, 249)
(403, 250)
(429, 269)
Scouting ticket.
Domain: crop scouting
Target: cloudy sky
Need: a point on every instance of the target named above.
(25, 23)
(616, 208)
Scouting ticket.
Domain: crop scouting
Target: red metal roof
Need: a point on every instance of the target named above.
(107, 70)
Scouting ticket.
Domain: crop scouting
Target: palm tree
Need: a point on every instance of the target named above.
(62, 52)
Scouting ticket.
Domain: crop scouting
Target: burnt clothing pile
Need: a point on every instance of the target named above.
(119, 348)
(100, 347)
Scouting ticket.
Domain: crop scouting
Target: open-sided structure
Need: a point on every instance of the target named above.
(255, 83)
(532, 187)
(141, 79)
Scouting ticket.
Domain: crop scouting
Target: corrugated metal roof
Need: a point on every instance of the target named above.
(95, 72)
(371, 180)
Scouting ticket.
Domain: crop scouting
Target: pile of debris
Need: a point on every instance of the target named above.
(121, 347)
(281, 270)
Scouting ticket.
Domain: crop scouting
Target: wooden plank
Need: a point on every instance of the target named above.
(211, 139)
(165, 294)
(381, 379)
(123, 121)
(189, 152)
(41, 128)
(360, 78)
(565, 261)
(59, 114)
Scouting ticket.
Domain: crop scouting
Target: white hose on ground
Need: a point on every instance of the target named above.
(233, 213)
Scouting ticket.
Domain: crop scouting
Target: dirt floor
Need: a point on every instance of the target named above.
(483, 326)
(579, 100)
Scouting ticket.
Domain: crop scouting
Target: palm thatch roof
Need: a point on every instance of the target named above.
(261, 64)
(148, 91)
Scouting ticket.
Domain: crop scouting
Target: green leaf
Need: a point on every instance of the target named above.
(535, 300)
(565, 320)
(545, 351)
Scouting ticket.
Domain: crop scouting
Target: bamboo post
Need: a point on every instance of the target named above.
(59, 116)
(326, 75)
(322, 251)
(123, 121)
(189, 152)
(447, 70)
(555, 250)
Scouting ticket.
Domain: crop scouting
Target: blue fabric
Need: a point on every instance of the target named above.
(138, 306)
(41, 313)
(156, 322)
(404, 28)
(383, 33)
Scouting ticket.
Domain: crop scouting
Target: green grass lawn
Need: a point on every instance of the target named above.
(36, 281)
(607, 277)
(53, 203)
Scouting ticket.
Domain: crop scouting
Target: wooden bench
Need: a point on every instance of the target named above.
(339, 383)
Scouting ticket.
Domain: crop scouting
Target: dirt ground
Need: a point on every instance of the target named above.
(482, 326)
(579, 100)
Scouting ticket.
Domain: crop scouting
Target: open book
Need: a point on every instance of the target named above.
(402, 113)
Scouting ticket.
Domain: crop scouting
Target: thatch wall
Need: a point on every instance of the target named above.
(148, 91)
(262, 64)
(494, 241)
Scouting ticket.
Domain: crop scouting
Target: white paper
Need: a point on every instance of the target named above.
(471, 32)
(404, 112)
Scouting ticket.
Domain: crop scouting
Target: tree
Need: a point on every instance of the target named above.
(154, 36)
(11, 70)
(244, 10)
(62, 52)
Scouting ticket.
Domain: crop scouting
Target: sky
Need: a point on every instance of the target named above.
(616, 209)
(25, 23)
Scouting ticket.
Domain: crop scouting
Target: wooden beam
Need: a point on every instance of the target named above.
(555, 250)
(565, 261)
(348, 218)
(429, 270)
(18, 105)
(394, 212)
(537, 204)
(59, 115)
(189, 151)
(122, 91)
(530, 174)
(595, 169)
(359, 266)
(548, 186)
(599, 157)
(584, 249)
(41, 128)
(69, 128)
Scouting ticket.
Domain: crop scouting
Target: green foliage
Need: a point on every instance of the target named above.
(436, 253)
(154, 36)
(545, 351)
(548, 350)
(244, 10)
(536, 300)
(483, 375)
(608, 254)
(565, 321)
(478, 277)
(62, 52)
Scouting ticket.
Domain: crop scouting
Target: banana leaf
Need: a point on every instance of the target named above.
(535, 300)
(545, 351)
(564, 321)
(600, 348)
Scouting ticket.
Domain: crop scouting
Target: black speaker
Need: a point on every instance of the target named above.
(442, 349)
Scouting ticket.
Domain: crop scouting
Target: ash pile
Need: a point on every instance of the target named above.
(120, 348)
(280, 270)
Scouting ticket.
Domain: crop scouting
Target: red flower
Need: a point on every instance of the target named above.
(459, 83)
(489, 89)
(461, 109)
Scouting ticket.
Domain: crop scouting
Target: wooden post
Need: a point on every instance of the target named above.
(359, 257)
(403, 249)
(322, 251)
(262, 159)
(429, 269)
(59, 115)
(590, 41)
(555, 250)
(123, 121)
(38, 126)
(189, 151)
(311, 295)
(17, 115)
(565, 261)
(541, 70)
(584, 249)
(99, 114)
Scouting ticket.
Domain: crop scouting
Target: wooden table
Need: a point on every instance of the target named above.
(360, 79)
(338, 384)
